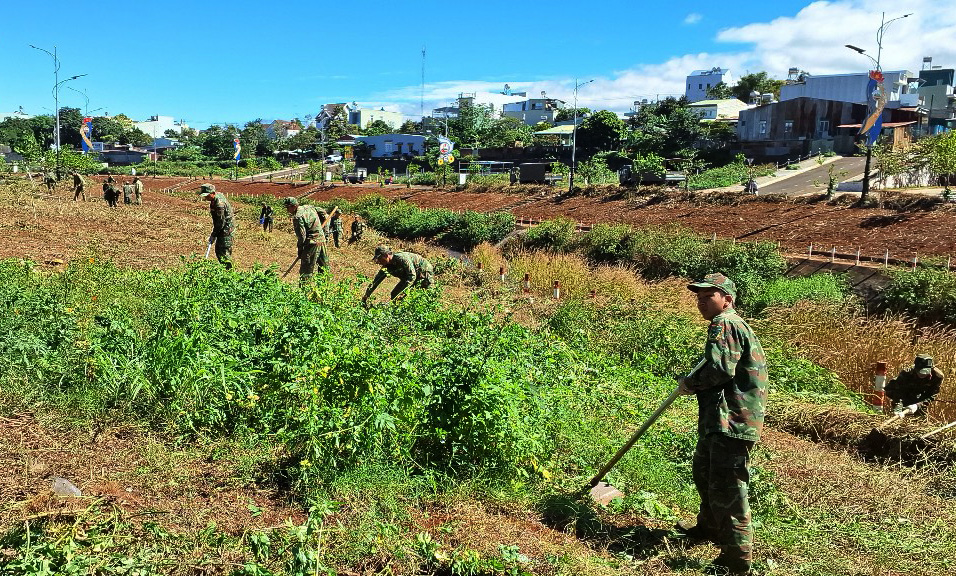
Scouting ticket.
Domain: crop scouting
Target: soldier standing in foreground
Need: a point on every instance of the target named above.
(223, 225)
(79, 187)
(411, 270)
(310, 238)
(915, 385)
(358, 228)
(127, 192)
(265, 217)
(731, 389)
(138, 190)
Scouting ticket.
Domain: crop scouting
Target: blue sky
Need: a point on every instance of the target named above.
(215, 62)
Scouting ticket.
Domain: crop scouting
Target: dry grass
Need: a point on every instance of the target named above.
(850, 343)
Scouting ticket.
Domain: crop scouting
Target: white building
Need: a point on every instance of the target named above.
(157, 126)
(852, 88)
(700, 81)
(362, 117)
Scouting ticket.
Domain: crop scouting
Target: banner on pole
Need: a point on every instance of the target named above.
(238, 150)
(86, 130)
(876, 101)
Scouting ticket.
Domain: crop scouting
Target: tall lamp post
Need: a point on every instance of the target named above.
(574, 133)
(56, 98)
(884, 23)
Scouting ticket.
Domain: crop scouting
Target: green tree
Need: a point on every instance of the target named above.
(217, 142)
(410, 127)
(942, 157)
(602, 131)
(720, 91)
(170, 133)
(760, 82)
(44, 128)
(506, 131)
(70, 120)
(136, 137)
(566, 114)
(377, 127)
(18, 134)
(471, 126)
(667, 128)
(106, 129)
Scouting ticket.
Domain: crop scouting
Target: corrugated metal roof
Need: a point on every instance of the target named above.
(885, 124)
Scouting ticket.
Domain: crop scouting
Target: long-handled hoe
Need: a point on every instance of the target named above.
(602, 492)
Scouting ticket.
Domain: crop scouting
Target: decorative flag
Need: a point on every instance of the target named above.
(86, 129)
(445, 146)
(238, 148)
(876, 101)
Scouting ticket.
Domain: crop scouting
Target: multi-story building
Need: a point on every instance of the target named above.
(534, 110)
(362, 117)
(939, 100)
(852, 88)
(700, 81)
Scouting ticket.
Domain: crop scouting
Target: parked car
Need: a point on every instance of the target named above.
(333, 158)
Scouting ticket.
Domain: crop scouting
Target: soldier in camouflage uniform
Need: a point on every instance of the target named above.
(127, 192)
(79, 187)
(310, 245)
(138, 190)
(50, 180)
(411, 270)
(223, 225)
(265, 217)
(915, 385)
(731, 389)
(336, 225)
(358, 228)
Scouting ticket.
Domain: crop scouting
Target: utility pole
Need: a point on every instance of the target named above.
(574, 133)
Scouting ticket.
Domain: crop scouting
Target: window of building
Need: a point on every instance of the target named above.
(688, 86)
(788, 127)
(763, 126)
(389, 147)
(824, 127)
(700, 86)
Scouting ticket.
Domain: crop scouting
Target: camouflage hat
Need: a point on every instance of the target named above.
(717, 280)
(290, 201)
(207, 189)
(381, 251)
(923, 365)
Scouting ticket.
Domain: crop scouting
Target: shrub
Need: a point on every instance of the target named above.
(785, 292)
(553, 235)
(927, 294)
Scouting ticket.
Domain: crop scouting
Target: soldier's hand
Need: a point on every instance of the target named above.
(682, 388)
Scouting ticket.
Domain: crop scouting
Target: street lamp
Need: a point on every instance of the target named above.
(56, 98)
(574, 133)
(884, 23)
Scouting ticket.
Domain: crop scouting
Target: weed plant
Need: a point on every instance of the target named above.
(927, 294)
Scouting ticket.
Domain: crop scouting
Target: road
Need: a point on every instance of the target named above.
(804, 182)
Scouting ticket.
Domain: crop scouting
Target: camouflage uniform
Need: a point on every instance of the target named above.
(310, 237)
(127, 193)
(411, 270)
(79, 187)
(908, 387)
(138, 190)
(223, 225)
(336, 225)
(731, 389)
(358, 228)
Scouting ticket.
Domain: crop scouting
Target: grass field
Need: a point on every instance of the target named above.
(234, 423)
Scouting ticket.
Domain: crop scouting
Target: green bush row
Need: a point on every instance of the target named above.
(730, 175)
(924, 293)
(400, 219)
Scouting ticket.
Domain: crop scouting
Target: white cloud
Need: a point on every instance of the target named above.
(692, 18)
(812, 40)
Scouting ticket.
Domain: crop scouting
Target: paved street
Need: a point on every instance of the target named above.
(802, 183)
